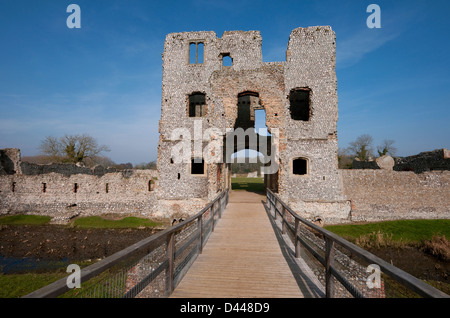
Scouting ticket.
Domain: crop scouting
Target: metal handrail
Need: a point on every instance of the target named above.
(413, 283)
(166, 236)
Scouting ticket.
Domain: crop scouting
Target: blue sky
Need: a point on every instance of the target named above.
(105, 78)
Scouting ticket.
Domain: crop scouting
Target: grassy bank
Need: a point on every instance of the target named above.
(431, 236)
(400, 231)
(248, 184)
(102, 223)
(22, 219)
(94, 222)
(19, 285)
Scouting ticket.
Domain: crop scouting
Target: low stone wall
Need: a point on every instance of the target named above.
(389, 195)
(63, 197)
(322, 213)
(33, 169)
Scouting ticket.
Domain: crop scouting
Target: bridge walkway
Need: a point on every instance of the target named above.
(243, 258)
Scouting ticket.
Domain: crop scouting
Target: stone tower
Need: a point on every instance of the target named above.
(212, 86)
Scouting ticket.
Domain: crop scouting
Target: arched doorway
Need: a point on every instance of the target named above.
(248, 148)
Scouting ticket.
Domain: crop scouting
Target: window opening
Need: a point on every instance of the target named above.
(197, 166)
(300, 166)
(44, 187)
(197, 105)
(226, 59)
(75, 187)
(196, 52)
(299, 100)
(151, 185)
(247, 103)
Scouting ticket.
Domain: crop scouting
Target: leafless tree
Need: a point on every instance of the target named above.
(387, 148)
(71, 148)
(362, 147)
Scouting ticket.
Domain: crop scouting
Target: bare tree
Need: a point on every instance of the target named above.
(50, 146)
(71, 148)
(362, 147)
(387, 148)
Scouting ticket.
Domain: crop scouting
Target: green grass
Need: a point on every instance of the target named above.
(405, 231)
(21, 284)
(18, 285)
(102, 223)
(84, 222)
(248, 184)
(22, 219)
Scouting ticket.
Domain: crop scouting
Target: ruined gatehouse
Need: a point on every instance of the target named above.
(219, 83)
(211, 89)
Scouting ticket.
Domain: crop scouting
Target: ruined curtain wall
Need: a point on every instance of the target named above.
(65, 196)
(388, 195)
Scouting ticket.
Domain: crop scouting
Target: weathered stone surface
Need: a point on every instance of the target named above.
(110, 193)
(389, 195)
(385, 162)
(309, 65)
(9, 161)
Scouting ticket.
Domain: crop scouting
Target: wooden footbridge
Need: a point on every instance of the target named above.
(243, 258)
(241, 245)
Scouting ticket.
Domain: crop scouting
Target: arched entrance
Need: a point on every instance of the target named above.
(249, 144)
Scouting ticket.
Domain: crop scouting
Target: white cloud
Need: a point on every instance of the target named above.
(351, 50)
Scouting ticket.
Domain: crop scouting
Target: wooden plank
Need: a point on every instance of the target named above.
(242, 258)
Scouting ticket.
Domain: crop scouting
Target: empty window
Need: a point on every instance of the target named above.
(226, 59)
(197, 166)
(107, 188)
(197, 105)
(247, 103)
(299, 100)
(75, 187)
(196, 52)
(13, 187)
(151, 185)
(300, 166)
(44, 187)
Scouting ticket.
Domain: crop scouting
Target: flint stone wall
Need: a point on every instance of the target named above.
(378, 195)
(113, 193)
